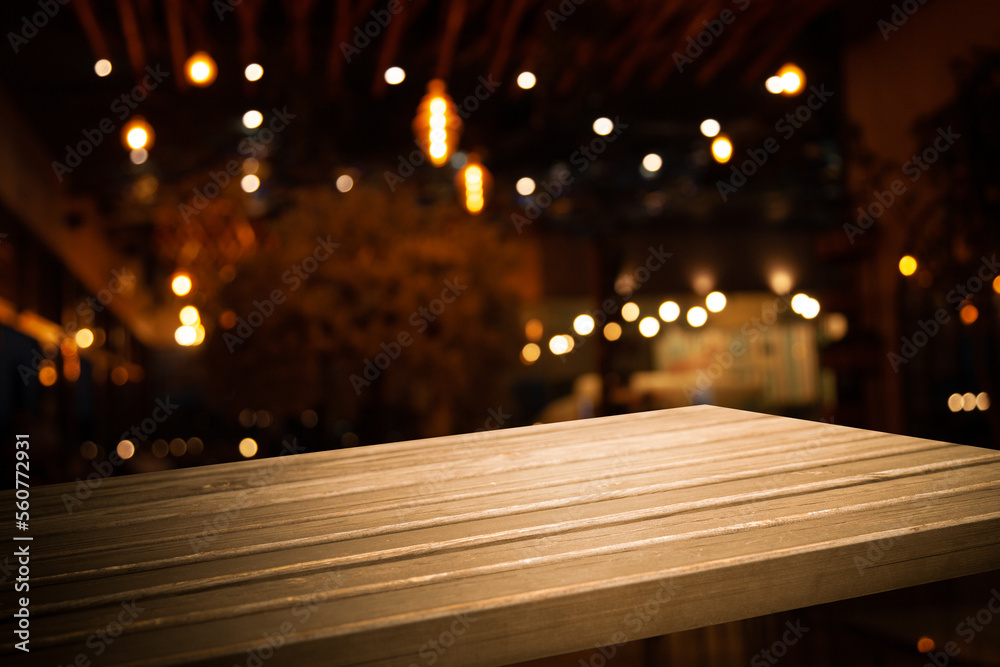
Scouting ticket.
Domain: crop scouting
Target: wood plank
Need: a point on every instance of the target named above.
(506, 546)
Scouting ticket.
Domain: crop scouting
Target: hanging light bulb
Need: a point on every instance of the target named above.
(437, 125)
(472, 183)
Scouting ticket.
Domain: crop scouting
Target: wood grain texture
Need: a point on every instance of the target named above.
(498, 547)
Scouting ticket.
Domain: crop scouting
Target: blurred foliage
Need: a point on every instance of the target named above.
(397, 254)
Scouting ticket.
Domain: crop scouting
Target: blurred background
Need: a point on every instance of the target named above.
(234, 228)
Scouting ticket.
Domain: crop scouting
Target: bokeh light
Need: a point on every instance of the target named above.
(649, 327)
(533, 330)
(252, 119)
(652, 163)
(530, 353)
(907, 265)
(603, 126)
(630, 311)
(84, 338)
(395, 76)
(250, 183)
(710, 127)
(344, 183)
(200, 69)
(697, 316)
(526, 80)
(181, 284)
(583, 324)
(669, 311)
(715, 301)
(125, 449)
(253, 72)
(248, 448)
(102, 67)
(969, 314)
(722, 149)
(612, 331)
(525, 186)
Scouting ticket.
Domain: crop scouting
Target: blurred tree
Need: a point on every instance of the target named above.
(413, 281)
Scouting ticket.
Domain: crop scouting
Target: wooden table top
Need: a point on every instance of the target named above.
(497, 547)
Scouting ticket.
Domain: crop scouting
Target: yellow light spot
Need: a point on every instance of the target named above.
(181, 284)
(251, 165)
(810, 309)
(125, 449)
(395, 76)
(996, 284)
(775, 85)
(252, 119)
(533, 330)
(138, 155)
(612, 331)
(669, 311)
(799, 302)
(793, 79)
(189, 315)
(955, 402)
(603, 126)
(525, 186)
(199, 334)
(907, 265)
(530, 353)
(136, 137)
(185, 335)
(925, 644)
(250, 183)
(722, 149)
(583, 324)
(630, 311)
(47, 376)
(200, 69)
(119, 375)
(710, 127)
(253, 72)
(969, 314)
(968, 402)
(697, 316)
(526, 80)
(344, 183)
(983, 401)
(84, 338)
(438, 106)
(715, 301)
(439, 151)
(649, 327)
(652, 162)
(102, 67)
(248, 447)
(561, 344)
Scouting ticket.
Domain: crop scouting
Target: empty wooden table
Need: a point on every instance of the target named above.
(497, 547)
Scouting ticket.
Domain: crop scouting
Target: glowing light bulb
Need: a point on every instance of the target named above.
(395, 76)
(526, 80)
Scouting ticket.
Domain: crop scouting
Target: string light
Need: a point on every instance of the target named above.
(181, 284)
(710, 127)
(138, 134)
(472, 182)
(437, 125)
(722, 149)
(102, 67)
(526, 80)
(395, 76)
(253, 72)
